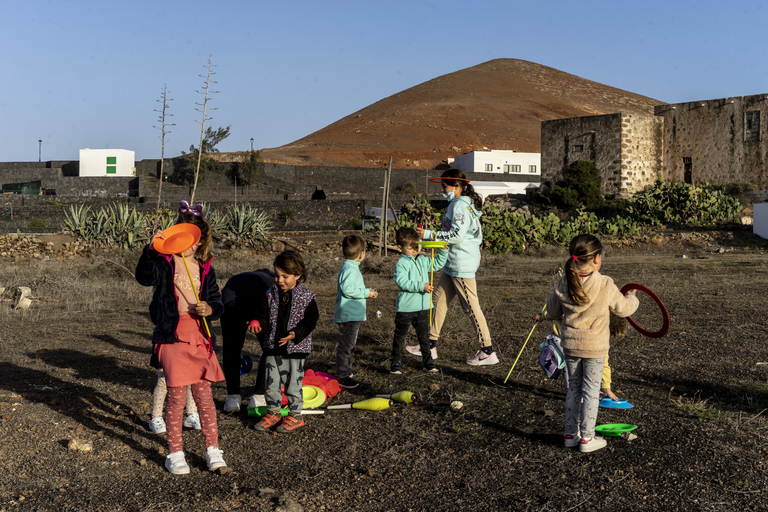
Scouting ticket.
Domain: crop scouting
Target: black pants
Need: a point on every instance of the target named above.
(234, 327)
(420, 321)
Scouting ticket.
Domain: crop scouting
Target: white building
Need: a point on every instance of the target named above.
(520, 171)
(107, 162)
(499, 161)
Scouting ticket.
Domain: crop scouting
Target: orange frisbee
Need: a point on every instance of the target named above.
(178, 238)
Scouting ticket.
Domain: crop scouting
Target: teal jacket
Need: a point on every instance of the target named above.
(410, 275)
(351, 294)
(461, 229)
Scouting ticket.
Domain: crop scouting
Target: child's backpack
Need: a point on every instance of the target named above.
(551, 357)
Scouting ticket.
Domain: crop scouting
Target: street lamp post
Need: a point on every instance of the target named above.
(251, 143)
(166, 191)
(40, 150)
(434, 152)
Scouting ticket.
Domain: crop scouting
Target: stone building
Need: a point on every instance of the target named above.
(625, 147)
(716, 141)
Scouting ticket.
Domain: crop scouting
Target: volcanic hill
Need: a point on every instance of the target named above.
(498, 105)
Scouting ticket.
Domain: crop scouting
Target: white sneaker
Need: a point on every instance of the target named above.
(176, 464)
(592, 445)
(257, 401)
(232, 403)
(483, 359)
(572, 440)
(192, 421)
(214, 459)
(157, 425)
(415, 350)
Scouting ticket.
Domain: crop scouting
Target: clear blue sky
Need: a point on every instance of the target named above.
(80, 74)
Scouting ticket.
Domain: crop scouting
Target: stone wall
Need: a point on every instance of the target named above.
(595, 139)
(641, 153)
(626, 148)
(306, 215)
(712, 134)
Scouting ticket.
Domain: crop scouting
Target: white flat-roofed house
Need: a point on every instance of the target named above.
(107, 162)
(517, 171)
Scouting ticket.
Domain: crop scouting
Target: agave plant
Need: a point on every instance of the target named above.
(248, 224)
(76, 220)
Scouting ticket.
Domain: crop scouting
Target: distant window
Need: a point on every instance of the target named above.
(111, 169)
(752, 126)
(111, 160)
(532, 169)
(489, 167)
(577, 148)
(511, 168)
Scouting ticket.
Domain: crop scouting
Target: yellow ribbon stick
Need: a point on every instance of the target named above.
(197, 298)
(521, 350)
(431, 280)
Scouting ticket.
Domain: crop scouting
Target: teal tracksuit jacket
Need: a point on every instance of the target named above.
(410, 276)
(351, 294)
(461, 229)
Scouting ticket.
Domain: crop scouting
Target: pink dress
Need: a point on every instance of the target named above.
(191, 359)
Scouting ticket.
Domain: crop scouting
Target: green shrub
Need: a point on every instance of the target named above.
(286, 215)
(580, 186)
(36, 223)
(679, 203)
(409, 187)
(354, 224)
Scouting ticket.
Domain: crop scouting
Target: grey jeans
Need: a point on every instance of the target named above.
(583, 398)
(347, 339)
(288, 372)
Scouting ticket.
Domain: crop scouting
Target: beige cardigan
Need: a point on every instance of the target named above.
(585, 330)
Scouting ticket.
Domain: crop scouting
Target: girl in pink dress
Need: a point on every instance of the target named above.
(180, 338)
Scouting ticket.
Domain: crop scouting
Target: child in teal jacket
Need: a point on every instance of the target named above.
(413, 297)
(351, 295)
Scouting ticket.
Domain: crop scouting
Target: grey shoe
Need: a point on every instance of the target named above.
(232, 403)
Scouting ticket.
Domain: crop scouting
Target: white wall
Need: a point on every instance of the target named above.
(760, 219)
(499, 160)
(107, 162)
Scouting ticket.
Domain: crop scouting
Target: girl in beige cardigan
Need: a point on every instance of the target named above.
(584, 299)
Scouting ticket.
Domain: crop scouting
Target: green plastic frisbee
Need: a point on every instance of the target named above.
(433, 244)
(614, 429)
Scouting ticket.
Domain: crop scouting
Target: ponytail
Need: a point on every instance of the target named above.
(582, 249)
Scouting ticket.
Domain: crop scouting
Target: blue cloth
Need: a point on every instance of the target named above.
(411, 273)
(351, 294)
(461, 229)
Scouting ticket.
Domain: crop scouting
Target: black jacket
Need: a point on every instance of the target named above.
(155, 269)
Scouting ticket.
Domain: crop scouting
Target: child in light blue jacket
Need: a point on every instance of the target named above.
(413, 297)
(461, 229)
(351, 295)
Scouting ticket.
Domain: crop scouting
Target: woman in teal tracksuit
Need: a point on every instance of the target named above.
(461, 229)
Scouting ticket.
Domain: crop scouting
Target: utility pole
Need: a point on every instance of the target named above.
(40, 150)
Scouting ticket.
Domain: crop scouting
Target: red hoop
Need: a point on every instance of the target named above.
(664, 314)
(441, 178)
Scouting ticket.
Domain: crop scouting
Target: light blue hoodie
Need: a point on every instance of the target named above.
(461, 229)
(411, 274)
(351, 294)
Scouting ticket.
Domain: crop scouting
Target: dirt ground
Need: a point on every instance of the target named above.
(74, 367)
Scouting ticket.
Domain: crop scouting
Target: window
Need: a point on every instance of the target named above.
(488, 167)
(111, 165)
(752, 126)
(578, 148)
(532, 169)
(511, 168)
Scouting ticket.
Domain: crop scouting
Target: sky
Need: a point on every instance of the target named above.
(84, 74)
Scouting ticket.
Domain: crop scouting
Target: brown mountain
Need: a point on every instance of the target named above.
(498, 105)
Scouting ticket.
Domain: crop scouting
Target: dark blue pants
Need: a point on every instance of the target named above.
(420, 321)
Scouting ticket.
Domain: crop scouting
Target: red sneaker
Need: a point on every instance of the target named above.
(267, 422)
(291, 423)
